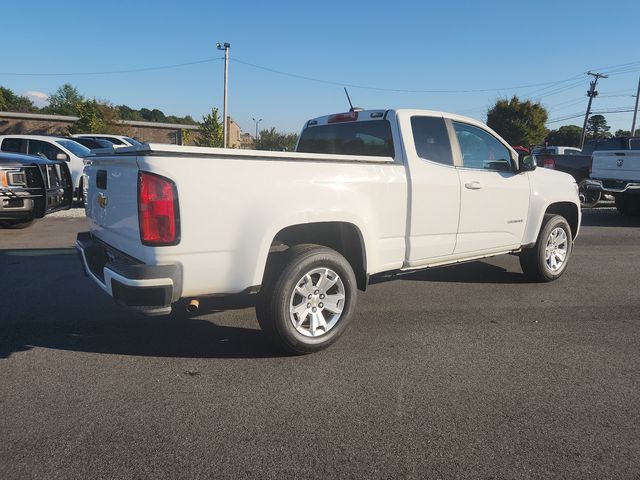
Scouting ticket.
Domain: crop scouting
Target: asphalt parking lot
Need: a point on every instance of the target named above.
(463, 372)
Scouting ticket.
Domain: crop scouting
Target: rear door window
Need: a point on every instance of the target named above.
(431, 139)
(349, 138)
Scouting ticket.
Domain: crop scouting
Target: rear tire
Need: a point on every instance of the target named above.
(548, 260)
(307, 298)
(588, 198)
(628, 205)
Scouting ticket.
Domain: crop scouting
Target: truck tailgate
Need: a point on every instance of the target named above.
(616, 165)
(111, 202)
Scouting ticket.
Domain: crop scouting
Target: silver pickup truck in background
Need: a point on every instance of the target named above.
(616, 171)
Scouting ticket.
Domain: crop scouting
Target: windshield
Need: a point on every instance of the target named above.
(75, 148)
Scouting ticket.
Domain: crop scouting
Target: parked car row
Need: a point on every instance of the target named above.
(72, 150)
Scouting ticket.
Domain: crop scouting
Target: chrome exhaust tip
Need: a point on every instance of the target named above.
(193, 306)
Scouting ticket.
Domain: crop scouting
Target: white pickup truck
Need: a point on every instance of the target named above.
(615, 170)
(365, 192)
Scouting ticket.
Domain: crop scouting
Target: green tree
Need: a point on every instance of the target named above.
(276, 141)
(626, 133)
(15, 103)
(157, 116)
(519, 123)
(210, 131)
(128, 113)
(186, 136)
(566, 136)
(64, 100)
(96, 117)
(597, 127)
(145, 113)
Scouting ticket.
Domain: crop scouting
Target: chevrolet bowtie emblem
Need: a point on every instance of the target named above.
(101, 199)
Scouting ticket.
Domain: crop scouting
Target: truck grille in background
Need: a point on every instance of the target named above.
(34, 180)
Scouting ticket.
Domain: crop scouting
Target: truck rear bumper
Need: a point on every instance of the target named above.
(148, 289)
(614, 186)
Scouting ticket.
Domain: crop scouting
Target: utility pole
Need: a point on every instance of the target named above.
(225, 46)
(635, 110)
(257, 122)
(590, 93)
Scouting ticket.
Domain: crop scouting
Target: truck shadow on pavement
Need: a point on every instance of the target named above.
(149, 337)
(472, 272)
(46, 301)
(49, 303)
(607, 217)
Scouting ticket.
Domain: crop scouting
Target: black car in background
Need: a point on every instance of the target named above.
(32, 187)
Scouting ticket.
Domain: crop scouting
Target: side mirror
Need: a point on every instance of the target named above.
(527, 164)
(62, 156)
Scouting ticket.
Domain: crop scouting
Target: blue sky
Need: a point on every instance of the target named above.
(498, 46)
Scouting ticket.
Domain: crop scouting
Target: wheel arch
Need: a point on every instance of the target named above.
(344, 237)
(570, 211)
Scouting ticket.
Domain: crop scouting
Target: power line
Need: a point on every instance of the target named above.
(112, 72)
(599, 112)
(383, 89)
(547, 88)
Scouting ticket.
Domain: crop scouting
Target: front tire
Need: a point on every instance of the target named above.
(307, 298)
(548, 260)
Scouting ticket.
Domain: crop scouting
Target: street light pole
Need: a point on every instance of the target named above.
(257, 122)
(225, 46)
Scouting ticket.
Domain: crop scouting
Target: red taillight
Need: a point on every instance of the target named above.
(343, 117)
(157, 210)
(549, 162)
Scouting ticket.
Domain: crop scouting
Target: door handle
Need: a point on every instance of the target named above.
(473, 185)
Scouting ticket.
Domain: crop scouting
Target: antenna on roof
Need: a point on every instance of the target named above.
(348, 99)
(352, 109)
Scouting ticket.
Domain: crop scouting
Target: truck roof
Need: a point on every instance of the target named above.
(46, 138)
(381, 114)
